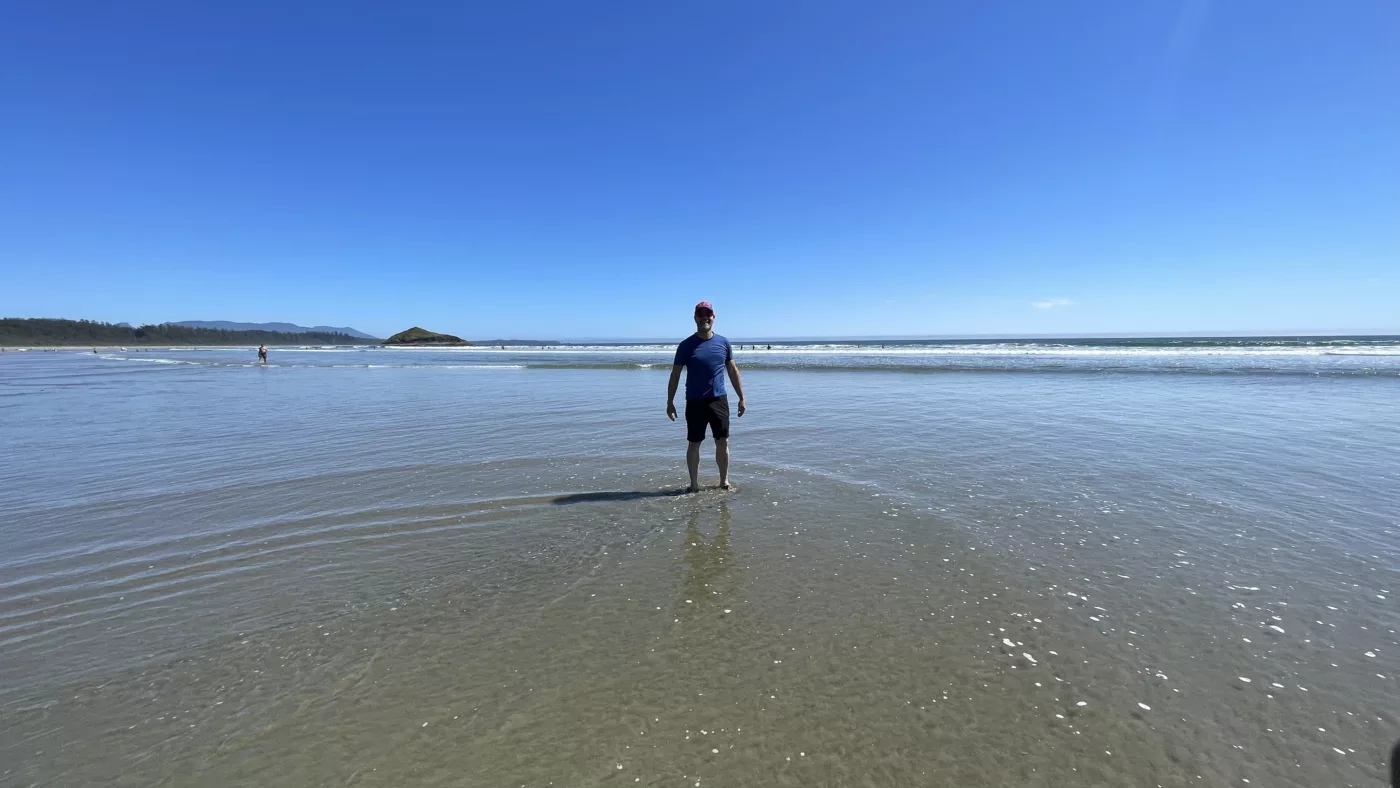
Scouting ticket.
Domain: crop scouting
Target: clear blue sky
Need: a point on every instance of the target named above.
(586, 169)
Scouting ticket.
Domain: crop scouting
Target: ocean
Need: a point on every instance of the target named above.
(1033, 563)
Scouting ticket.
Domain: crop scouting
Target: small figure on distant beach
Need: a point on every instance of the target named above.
(705, 357)
(262, 353)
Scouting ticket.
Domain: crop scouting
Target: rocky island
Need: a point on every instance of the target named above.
(420, 336)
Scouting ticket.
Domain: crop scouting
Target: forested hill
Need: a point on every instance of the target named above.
(49, 332)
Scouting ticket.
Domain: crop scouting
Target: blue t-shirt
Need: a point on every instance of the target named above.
(704, 361)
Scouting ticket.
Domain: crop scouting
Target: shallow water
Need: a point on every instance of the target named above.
(452, 568)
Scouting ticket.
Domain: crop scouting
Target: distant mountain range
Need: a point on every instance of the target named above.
(281, 328)
(57, 332)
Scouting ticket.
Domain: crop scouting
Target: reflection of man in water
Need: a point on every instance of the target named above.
(262, 353)
(708, 561)
(706, 357)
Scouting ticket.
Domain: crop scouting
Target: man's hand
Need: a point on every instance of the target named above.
(671, 410)
(737, 383)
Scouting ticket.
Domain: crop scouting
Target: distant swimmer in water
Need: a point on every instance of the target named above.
(705, 357)
(262, 353)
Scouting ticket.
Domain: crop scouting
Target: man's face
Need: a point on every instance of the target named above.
(704, 320)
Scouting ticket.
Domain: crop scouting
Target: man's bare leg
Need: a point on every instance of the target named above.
(722, 460)
(692, 461)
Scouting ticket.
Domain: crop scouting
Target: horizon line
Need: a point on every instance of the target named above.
(1001, 335)
(1394, 332)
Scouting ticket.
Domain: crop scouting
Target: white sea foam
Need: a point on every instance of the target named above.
(1321, 357)
(146, 360)
(959, 350)
(324, 349)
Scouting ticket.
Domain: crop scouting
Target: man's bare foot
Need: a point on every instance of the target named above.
(729, 486)
(692, 489)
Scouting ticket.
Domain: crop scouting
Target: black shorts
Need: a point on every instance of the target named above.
(713, 411)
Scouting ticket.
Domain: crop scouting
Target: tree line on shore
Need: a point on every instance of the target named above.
(51, 332)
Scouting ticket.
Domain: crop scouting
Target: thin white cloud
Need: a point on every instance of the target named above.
(1051, 303)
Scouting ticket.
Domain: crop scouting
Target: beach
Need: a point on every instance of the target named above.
(1033, 564)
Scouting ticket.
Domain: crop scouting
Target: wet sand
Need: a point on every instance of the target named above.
(311, 606)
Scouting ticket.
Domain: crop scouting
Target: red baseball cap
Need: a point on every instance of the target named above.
(705, 305)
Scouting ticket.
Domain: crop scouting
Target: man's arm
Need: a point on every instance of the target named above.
(671, 390)
(738, 384)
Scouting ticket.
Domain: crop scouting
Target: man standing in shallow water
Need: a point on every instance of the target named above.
(706, 357)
